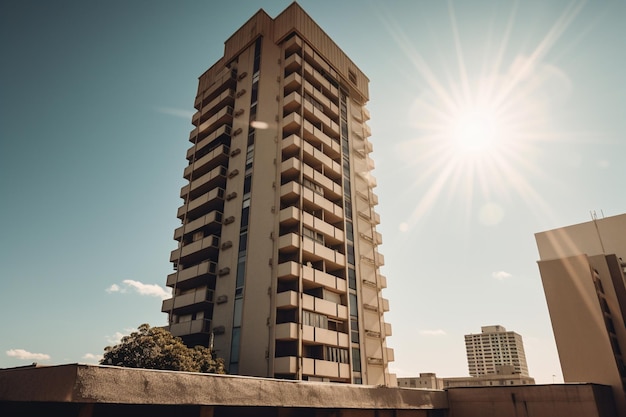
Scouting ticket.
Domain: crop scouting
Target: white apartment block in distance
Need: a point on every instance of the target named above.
(494, 347)
(277, 260)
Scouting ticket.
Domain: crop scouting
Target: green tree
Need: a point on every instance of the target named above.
(156, 348)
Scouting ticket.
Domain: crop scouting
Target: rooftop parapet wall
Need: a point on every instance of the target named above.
(106, 384)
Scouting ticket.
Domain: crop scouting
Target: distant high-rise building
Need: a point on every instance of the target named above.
(494, 347)
(583, 273)
(277, 260)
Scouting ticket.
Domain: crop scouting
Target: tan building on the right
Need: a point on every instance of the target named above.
(582, 269)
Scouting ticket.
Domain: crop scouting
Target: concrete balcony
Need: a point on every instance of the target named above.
(330, 108)
(332, 212)
(382, 281)
(289, 270)
(223, 116)
(321, 83)
(286, 331)
(289, 242)
(211, 221)
(225, 98)
(330, 147)
(218, 156)
(208, 89)
(366, 113)
(190, 327)
(292, 102)
(214, 199)
(318, 335)
(292, 82)
(221, 132)
(391, 357)
(387, 329)
(379, 259)
(312, 156)
(293, 63)
(212, 179)
(195, 300)
(331, 188)
(317, 250)
(196, 251)
(314, 114)
(325, 307)
(292, 123)
(385, 304)
(287, 300)
(292, 45)
(321, 278)
(326, 369)
(285, 365)
(332, 234)
(190, 277)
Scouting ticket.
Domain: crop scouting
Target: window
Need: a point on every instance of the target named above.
(356, 360)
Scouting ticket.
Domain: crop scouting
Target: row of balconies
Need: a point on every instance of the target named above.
(213, 200)
(312, 367)
(189, 277)
(225, 98)
(291, 242)
(196, 251)
(312, 156)
(184, 303)
(311, 276)
(190, 327)
(224, 80)
(211, 221)
(312, 335)
(292, 166)
(212, 179)
(292, 216)
(292, 190)
(222, 116)
(221, 133)
(218, 156)
(289, 299)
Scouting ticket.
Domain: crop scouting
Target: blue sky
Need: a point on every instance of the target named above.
(95, 108)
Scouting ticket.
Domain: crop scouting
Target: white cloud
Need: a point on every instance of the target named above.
(92, 357)
(436, 332)
(403, 227)
(152, 290)
(24, 354)
(117, 336)
(184, 114)
(113, 288)
(500, 275)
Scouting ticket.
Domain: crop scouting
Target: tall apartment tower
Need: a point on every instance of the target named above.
(583, 273)
(277, 260)
(494, 348)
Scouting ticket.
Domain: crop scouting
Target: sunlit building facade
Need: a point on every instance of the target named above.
(583, 273)
(492, 348)
(277, 262)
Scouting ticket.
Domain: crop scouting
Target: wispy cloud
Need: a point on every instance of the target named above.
(183, 114)
(92, 357)
(435, 332)
(501, 275)
(24, 354)
(116, 338)
(152, 290)
(113, 288)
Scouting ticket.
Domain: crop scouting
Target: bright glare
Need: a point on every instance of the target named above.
(475, 130)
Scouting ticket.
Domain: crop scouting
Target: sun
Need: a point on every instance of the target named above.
(474, 130)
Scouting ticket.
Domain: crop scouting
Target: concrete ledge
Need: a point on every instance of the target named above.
(106, 384)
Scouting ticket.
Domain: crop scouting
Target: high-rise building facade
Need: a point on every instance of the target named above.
(277, 260)
(583, 273)
(494, 348)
